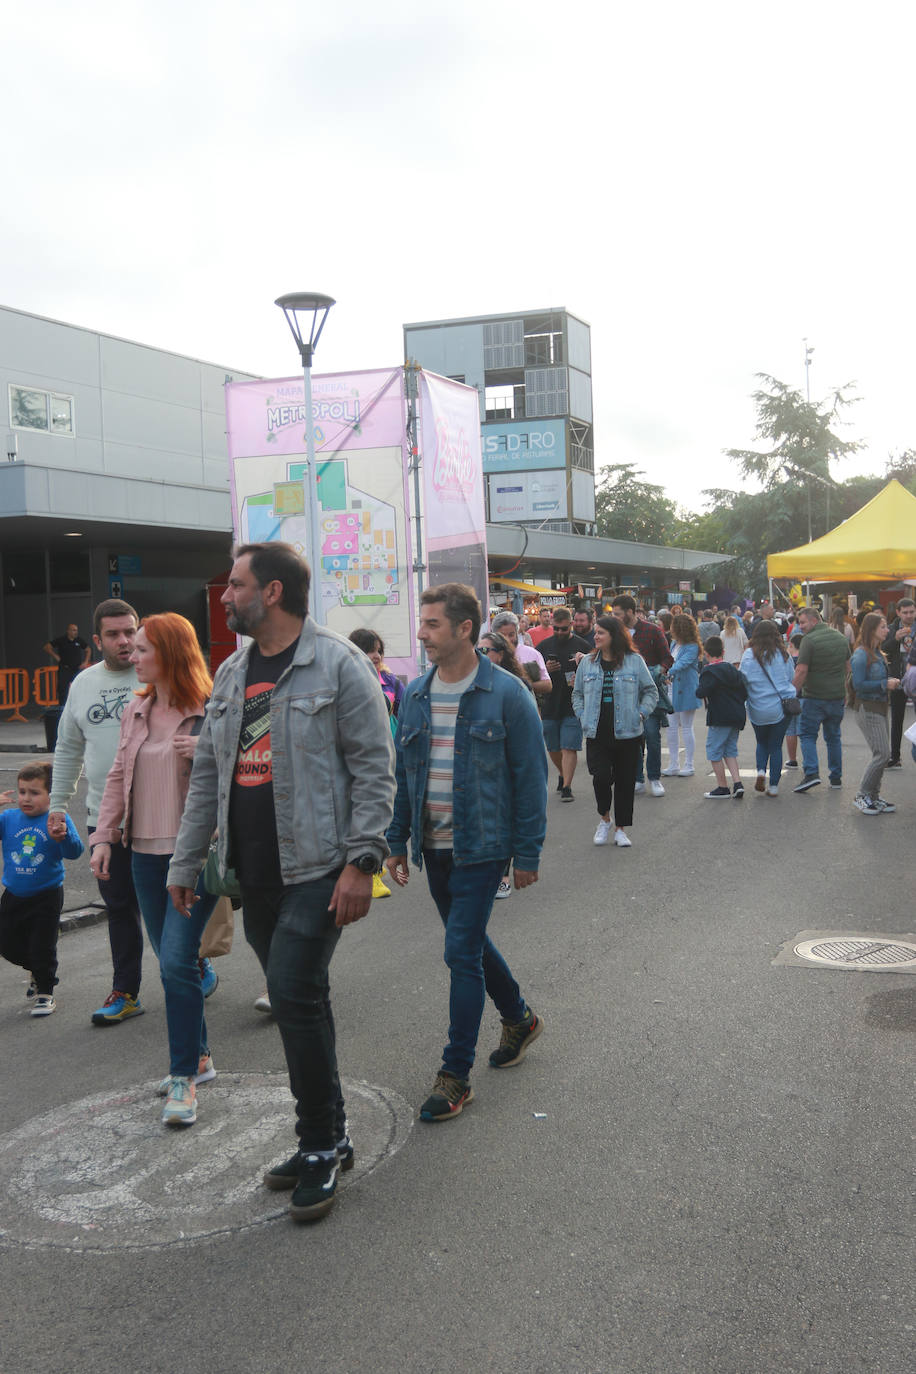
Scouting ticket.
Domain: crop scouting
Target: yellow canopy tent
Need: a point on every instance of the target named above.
(877, 544)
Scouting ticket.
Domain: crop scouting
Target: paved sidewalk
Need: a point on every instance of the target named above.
(19, 738)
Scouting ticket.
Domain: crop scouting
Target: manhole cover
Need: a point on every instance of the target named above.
(103, 1173)
(855, 952)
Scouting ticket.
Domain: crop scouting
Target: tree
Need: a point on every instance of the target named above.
(799, 430)
(629, 507)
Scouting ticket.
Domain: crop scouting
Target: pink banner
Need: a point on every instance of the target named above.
(455, 520)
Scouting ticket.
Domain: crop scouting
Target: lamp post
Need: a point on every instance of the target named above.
(306, 312)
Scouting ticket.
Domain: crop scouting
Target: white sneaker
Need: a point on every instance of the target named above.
(671, 772)
(772, 789)
(656, 788)
(640, 787)
(685, 772)
(601, 834)
(504, 889)
(622, 840)
(262, 1003)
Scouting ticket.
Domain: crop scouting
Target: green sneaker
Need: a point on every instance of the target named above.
(448, 1097)
(516, 1037)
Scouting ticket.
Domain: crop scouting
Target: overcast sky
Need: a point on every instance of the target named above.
(705, 185)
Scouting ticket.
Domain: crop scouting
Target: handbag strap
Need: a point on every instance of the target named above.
(772, 683)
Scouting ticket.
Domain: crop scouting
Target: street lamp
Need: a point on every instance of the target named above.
(306, 312)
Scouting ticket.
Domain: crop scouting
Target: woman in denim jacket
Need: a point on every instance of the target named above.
(612, 695)
(684, 674)
(871, 684)
(767, 668)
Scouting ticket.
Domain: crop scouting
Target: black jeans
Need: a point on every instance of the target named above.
(28, 933)
(294, 936)
(125, 928)
(613, 763)
(897, 700)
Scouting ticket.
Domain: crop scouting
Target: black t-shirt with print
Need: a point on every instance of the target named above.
(558, 705)
(252, 819)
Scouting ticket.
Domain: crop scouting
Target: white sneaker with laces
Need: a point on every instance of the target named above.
(772, 789)
(656, 788)
(601, 834)
(670, 772)
(685, 772)
(640, 787)
(622, 840)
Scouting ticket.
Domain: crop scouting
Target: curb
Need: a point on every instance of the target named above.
(83, 916)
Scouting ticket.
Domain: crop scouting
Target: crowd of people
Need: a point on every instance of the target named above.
(305, 769)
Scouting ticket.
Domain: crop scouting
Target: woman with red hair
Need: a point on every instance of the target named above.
(141, 808)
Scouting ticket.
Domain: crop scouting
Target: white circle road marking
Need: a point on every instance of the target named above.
(103, 1173)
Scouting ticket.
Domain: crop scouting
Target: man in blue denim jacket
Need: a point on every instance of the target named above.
(471, 794)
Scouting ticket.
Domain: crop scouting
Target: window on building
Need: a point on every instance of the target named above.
(500, 403)
(24, 572)
(46, 410)
(70, 571)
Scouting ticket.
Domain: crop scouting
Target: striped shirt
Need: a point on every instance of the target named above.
(444, 700)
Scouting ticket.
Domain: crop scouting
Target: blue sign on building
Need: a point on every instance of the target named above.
(523, 445)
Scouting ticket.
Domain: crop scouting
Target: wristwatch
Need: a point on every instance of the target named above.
(366, 863)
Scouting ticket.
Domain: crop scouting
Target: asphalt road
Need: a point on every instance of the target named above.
(704, 1164)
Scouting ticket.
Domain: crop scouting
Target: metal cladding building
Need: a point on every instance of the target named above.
(114, 480)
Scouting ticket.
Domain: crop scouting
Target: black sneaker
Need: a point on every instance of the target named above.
(894, 763)
(790, 763)
(719, 792)
(448, 1097)
(836, 782)
(516, 1037)
(738, 790)
(283, 1176)
(313, 1195)
(560, 783)
(345, 1156)
(566, 794)
(808, 781)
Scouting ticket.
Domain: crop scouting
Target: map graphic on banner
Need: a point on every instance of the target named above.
(364, 558)
(359, 535)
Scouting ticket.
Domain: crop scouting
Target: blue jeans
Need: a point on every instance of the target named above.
(176, 942)
(653, 736)
(817, 712)
(464, 895)
(769, 748)
(294, 936)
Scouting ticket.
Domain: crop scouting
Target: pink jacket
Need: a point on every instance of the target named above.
(114, 811)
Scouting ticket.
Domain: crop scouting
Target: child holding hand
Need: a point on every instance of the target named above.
(33, 877)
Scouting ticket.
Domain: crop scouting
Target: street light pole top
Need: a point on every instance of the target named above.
(305, 300)
(306, 312)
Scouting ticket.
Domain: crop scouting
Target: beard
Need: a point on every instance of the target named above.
(245, 622)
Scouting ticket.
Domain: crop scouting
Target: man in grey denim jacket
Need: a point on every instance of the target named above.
(295, 769)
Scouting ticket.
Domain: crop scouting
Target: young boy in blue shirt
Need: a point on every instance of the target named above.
(722, 687)
(33, 877)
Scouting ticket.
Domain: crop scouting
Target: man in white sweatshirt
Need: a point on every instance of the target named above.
(88, 733)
